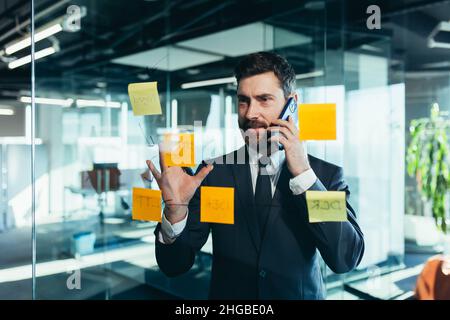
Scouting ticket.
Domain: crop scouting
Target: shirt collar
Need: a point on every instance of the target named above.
(276, 159)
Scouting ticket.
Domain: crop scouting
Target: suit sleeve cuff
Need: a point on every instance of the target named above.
(172, 231)
(302, 182)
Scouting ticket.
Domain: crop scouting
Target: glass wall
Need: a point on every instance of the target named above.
(90, 148)
(15, 170)
(97, 129)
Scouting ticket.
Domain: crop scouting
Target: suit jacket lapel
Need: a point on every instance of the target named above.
(244, 186)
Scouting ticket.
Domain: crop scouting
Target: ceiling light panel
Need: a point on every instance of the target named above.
(168, 58)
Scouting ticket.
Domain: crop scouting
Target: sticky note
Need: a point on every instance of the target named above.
(217, 205)
(178, 149)
(317, 121)
(146, 204)
(144, 98)
(326, 206)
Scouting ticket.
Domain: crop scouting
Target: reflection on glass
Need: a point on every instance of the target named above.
(91, 149)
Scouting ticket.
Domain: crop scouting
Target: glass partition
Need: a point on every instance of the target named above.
(16, 281)
(90, 148)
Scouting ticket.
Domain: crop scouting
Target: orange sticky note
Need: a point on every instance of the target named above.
(317, 121)
(146, 204)
(178, 149)
(217, 205)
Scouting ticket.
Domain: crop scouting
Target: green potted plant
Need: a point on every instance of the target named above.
(428, 160)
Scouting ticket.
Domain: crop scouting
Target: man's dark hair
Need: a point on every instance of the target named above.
(261, 62)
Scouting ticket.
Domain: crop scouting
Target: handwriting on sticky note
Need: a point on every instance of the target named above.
(217, 205)
(179, 149)
(317, 121)
(146, 204)
(144, 98)
(326, 206)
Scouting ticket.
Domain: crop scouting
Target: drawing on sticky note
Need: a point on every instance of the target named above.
(317, 121)
(217, 205)
(179, 149)
(144, 98)
(326, 206)
(146, 204)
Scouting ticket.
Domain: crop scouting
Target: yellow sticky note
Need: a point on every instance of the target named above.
(144, 98)
(317, 121)
(217, 205)
(326, 206)
(178, 149)
(146, 204)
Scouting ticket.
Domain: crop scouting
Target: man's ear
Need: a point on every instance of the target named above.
(296, 97)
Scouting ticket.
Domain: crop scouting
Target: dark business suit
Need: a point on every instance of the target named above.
(280, 262)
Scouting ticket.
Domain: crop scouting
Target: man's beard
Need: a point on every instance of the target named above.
(254, 125)
(256, 136)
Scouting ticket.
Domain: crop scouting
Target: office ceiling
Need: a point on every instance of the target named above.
(136, 40)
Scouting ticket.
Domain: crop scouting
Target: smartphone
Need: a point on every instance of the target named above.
(289, 110)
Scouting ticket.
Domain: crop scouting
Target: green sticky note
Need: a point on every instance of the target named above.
(326, 206)
(144, 98)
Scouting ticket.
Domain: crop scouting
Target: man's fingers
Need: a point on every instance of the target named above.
(280, 139)
(203, 173)
(292, 126)
(296, 126)
(285, 131)
(154, 171)
(291, 122)
(287, 124)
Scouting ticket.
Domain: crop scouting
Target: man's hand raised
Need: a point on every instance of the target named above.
(177, 187)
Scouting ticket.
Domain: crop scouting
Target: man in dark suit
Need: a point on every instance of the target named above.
(271, 250)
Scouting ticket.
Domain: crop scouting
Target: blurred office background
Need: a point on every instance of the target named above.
(86, 54)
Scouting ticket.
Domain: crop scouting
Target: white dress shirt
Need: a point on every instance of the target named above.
(299, 184)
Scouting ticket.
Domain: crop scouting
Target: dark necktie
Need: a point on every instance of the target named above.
(263, 197)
